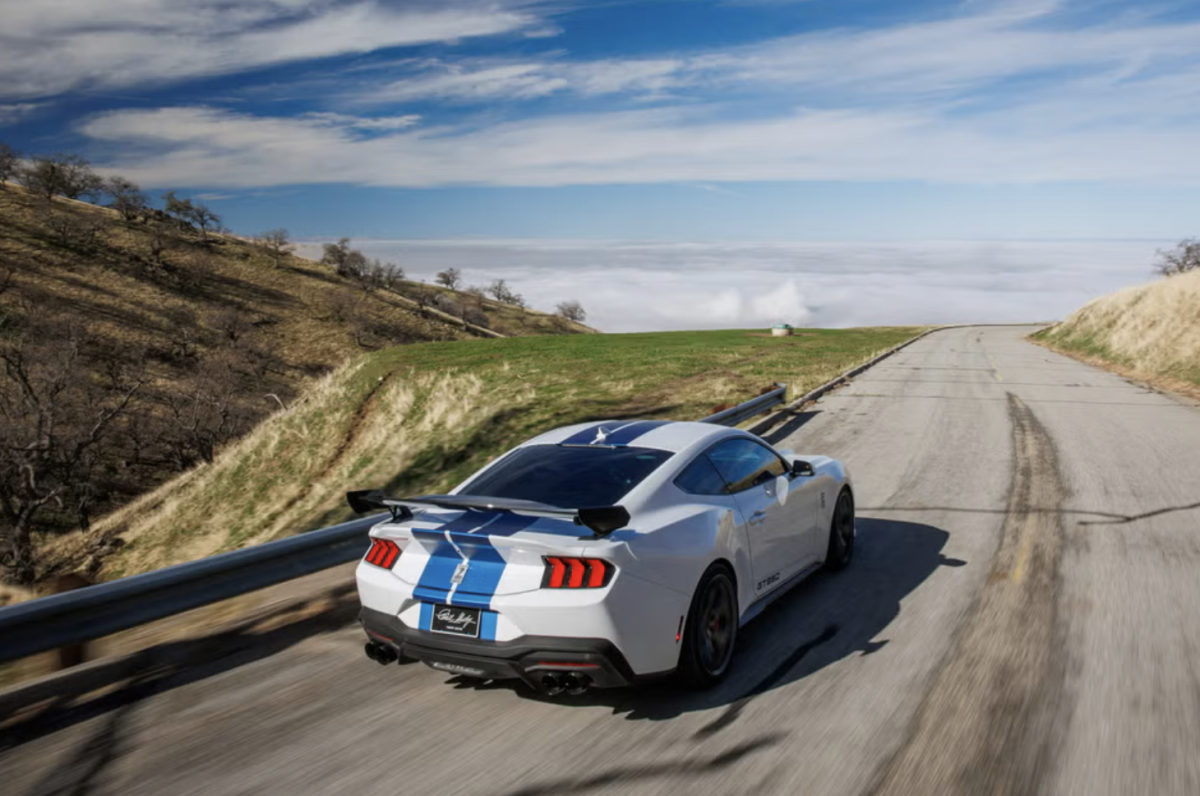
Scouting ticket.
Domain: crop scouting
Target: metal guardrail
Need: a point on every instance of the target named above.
(752, 408)
(95, 611)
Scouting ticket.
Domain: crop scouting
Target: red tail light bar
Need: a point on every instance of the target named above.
(566, 572)
(383, 553)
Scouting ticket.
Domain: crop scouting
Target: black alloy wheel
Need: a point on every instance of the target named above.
(711, 633)
(841, 532)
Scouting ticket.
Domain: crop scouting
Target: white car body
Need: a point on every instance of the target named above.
(771, 535)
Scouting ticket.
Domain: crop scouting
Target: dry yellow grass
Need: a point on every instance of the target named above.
(1149, 331)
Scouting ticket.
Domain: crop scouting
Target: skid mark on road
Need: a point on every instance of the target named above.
(991, 722)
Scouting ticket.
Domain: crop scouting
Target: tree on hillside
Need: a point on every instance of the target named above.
(572, 311)
(73, 229)
(179, 210)
(205, 219)
(55, 417)
(127, 198)
(378, 275)
(277, 244)
(1183, 258)
(60, 175)
(10, 162)
(500, 291)
(347, 262)
(450, 278)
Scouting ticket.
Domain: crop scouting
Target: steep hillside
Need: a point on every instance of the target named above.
(417, 419)
(145, 346)
(1150, 332)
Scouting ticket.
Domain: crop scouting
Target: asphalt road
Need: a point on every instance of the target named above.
(1023, 616)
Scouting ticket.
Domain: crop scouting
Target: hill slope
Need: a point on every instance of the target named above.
(1150, 332)
(204, 334)
(417, 419)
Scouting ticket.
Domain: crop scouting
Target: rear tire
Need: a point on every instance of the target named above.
(710, 635)
(841, 533)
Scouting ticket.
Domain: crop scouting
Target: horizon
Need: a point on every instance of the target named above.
(715, 122)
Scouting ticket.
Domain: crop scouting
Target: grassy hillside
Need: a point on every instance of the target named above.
(1150, 332)
(209, 333)
(417, 419)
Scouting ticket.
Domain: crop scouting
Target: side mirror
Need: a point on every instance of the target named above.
(800, 467)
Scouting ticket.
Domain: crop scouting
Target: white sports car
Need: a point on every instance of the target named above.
(601, 554)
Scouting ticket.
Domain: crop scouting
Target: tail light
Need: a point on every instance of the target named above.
(383, 553)
(565, 572)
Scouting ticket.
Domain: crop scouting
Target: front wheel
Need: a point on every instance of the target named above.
(711, 631)
(841, 532)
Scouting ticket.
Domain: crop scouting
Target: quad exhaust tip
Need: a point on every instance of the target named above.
(555, 683)
(380, 653)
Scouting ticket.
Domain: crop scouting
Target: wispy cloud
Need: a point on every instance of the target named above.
(15, 112)
(920, 101)
(52, 46)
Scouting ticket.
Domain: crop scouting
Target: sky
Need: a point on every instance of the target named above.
(1005, 156)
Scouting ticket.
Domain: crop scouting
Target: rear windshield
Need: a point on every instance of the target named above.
(570, 477)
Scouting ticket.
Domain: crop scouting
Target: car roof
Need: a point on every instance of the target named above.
(666, 435)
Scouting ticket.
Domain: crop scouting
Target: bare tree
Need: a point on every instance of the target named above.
(378, 275)
(10, 162)
(204, 410)
(205, 219)
(61, 175)
(1183, 258)
(160, 240)
(73, 229)
(179, 210)
(450, 278)
(127, 198)
(54, 417)
(277, 244)
(500, 291)
(572, 311)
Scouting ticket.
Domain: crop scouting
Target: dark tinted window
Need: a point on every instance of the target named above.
(744, 463)
(701, 478)
(570, 477)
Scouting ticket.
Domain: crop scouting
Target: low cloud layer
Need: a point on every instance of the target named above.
(629, 287)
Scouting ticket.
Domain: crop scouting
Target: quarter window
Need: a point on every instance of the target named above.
(744, 463)
(701, 478)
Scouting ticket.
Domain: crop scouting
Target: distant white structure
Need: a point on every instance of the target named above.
(781, 330)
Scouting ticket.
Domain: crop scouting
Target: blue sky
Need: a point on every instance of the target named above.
(677, 120)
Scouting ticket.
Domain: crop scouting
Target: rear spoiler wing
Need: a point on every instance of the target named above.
(601, 520)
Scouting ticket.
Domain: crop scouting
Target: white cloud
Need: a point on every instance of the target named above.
(628, 286)
(212, 148)
(15, 112)
(52, 46)
(1119, 101)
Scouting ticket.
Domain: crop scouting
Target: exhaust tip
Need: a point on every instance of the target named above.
(551, 684)
(576, 684)
(380, 653)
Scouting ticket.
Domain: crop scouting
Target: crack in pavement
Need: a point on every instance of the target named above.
(991, 722)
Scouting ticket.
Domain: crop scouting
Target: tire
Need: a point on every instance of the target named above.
(710, 635)
(841, 533)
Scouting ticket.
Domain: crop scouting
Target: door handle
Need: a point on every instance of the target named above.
(759, 515)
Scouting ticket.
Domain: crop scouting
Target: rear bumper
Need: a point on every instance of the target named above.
(525, 658)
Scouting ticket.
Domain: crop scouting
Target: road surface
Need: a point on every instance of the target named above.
(1023, 616)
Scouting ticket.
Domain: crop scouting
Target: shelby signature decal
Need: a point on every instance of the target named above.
(458, 620)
